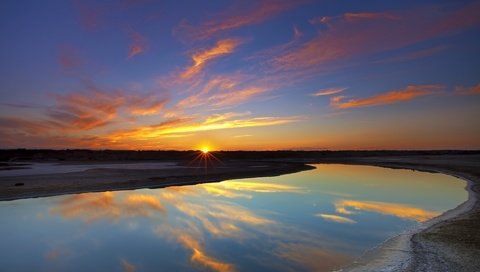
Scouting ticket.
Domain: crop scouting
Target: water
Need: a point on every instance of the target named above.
(314, 220)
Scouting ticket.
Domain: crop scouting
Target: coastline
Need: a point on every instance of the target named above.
(449, 242)
(414, 249)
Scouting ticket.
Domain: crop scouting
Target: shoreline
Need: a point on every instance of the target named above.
(448, 242)
(396, 253)
(444, 243)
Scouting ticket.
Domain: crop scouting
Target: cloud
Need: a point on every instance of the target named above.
(91, 17)
(225, 116)
(408, 93)
(18, 124)
(336, 218)
(398, 210)
(138, 44)
(329, 91)
(296, 32)
(224, 92)
(360, 34)
(145, 105)
(354, 16)
(86, 110)
(233, 18)
(201, 57)
(185, 126)
(472, 90)
(69, 58)
(415, 54)
(236, 97)
(243, 136)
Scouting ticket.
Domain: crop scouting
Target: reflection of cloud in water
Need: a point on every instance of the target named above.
(128, 267)
(224, 219)
(336, 218)
(398, 210)
(105, 206)
(313, 258)
(218, 217)
(191, 237)
(204, 210)
(259, 187)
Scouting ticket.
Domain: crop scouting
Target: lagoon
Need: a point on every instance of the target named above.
(317, 220)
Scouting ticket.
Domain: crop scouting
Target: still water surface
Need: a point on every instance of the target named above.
(315, 220)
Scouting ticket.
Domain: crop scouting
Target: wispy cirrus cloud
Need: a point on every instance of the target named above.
(138, 44)
(355, 16)
(408, 93)
(235, 17)
(225, 91)
(328, 91)
(353, 35)
(69, 58)
(418, 54)
(468, 90)
(202, 56)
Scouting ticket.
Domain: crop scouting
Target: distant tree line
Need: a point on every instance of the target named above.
(173, 155)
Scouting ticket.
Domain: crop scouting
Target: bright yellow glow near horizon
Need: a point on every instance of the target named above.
(205, 149)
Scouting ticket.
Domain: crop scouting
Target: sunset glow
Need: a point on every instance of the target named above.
(247, 75)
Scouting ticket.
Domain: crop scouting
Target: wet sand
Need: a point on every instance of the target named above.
(450, 242)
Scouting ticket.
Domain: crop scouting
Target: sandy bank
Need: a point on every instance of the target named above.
(17, 186)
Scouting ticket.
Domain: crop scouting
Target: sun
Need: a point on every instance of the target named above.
(205, 150)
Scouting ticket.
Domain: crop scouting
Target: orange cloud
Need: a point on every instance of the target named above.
(182, 126)
(472, 90)
(392, 97)
(86, 110)
(398, 210)
(329, 91)
(145, 105)
(234, 18)
(222, 47)
(138, 44)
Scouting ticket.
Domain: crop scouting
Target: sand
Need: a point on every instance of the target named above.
(450, 242)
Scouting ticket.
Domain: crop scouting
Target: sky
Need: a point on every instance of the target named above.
(240, 75)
